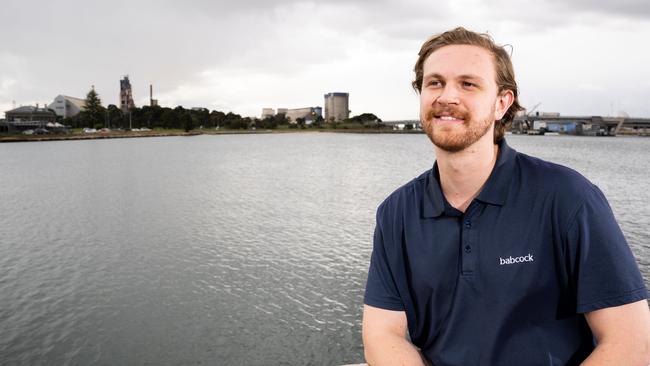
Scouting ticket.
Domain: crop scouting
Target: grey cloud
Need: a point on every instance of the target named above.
(69, 45)
(628, 8)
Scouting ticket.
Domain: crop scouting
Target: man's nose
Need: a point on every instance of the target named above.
(448, 95)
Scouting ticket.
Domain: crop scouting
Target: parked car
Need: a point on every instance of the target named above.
(28, 132)
(41, 131)
(89, 130)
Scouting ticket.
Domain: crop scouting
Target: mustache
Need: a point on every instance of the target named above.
(455, 112)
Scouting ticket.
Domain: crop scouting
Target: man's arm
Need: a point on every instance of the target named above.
(623, 335)
(384, 338)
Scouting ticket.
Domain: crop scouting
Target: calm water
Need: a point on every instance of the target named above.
(224, 250)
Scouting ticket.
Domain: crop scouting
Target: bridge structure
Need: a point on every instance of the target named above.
(579, 125)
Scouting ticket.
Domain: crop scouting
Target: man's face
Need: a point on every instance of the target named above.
(459, 99)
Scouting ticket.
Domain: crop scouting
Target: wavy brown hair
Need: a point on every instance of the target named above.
(505, 74)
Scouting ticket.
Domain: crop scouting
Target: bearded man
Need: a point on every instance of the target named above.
(494, 257)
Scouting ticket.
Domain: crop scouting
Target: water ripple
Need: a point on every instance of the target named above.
(223, 249)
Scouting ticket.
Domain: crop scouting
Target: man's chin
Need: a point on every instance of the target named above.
(449, 146)
(446, 141)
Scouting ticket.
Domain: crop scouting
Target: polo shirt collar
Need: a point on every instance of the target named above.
(495, 191)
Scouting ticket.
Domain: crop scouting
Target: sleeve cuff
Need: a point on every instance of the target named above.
(386, 305)
(627, 298)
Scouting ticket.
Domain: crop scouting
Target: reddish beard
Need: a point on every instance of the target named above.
(454, 138)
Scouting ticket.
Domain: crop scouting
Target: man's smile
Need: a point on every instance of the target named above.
(448, 119)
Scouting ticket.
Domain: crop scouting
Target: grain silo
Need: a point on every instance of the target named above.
(336, 106)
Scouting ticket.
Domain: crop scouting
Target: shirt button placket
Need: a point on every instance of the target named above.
(468, 258)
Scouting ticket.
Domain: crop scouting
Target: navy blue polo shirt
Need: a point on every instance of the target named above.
(506, 282)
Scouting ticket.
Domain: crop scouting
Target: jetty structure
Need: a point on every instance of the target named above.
(541, 123)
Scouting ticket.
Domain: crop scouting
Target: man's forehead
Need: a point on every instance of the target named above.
(460, 60)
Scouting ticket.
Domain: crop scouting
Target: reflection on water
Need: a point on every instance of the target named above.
(247, 249)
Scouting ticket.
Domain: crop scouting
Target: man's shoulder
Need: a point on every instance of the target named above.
(544, 176)
(405, 196)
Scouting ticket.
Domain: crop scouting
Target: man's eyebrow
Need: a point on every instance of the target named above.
(435, 75)
(470, 77)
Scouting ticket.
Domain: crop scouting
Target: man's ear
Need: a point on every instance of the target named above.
(503, 103)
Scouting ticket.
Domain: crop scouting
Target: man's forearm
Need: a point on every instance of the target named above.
(392, 350)
(616, 355)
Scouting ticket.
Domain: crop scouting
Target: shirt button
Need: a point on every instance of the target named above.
(468, 249)
(468, 224)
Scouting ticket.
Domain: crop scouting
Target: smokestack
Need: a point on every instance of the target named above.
(151, 95)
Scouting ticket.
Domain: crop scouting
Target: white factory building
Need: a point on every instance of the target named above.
(66, 106)
(268, 112)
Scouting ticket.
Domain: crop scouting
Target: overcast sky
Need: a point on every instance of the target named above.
(576, 57)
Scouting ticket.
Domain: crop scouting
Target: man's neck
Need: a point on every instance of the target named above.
(463, 173)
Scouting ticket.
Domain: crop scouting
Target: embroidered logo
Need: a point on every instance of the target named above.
(513, 260)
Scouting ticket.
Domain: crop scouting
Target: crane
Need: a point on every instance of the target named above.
(533, 109)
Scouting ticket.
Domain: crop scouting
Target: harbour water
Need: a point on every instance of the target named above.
(224, 250)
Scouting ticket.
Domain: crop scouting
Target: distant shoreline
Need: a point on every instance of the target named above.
(166, 133)
(121, 135)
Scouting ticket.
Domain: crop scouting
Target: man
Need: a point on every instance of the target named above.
(494, 257)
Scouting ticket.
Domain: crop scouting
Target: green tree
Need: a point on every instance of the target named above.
(187, 121)
(217, 119)
(93, 113)
(180, 112)
(281, 119)
(201, 117)
(234, 121)
(300, 122)
(138, 117)
(269, 122)
(115, 117)
(169, 118)
(366, 118)
(156, 116)
(318, 122)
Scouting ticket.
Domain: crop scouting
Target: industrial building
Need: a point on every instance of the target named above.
(30, 113)
(152, 102)
(337, 106)
(126, 96)
(66, 106)
(268, 112)
(27, 117)
(283, 111)
(309, 114)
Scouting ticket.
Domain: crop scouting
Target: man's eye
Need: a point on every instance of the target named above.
(434, 83)
(467, 84)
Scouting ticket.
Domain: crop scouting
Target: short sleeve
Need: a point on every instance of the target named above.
(381, 290)
(605, 271)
